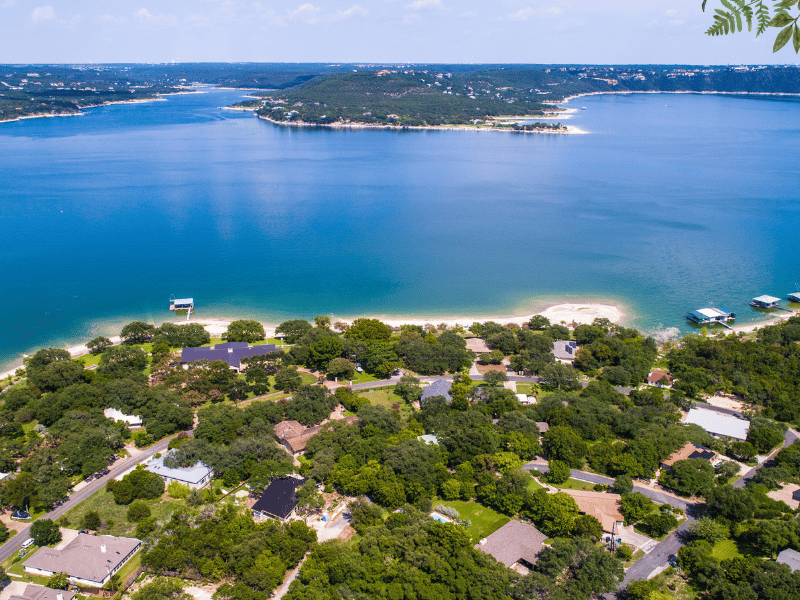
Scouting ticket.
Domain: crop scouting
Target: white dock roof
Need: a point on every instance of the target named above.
(767, 299)
(711, 313)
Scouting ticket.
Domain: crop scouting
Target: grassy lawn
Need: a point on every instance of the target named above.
(527, 388)
(534, 485)
(363, 378)
(575, 484)
(386, 397)
(484, 521)
(730, 549)
(116, 515)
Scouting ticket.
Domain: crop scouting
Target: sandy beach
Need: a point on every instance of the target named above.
(751, 327)
(557, 313)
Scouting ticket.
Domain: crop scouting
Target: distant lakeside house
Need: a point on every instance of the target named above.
(230, 352)
(719, 425)
(195, 477)
(87, 560)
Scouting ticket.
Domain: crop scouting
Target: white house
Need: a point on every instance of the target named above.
(195, 477)
(718, 424)
(131, 420)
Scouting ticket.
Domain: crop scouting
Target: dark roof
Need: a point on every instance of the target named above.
(440, 387)
(231, 352)
(280, 498)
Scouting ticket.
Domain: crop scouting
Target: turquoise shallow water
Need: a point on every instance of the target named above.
(671, 202)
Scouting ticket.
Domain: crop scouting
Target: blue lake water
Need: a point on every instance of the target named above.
(671, 202)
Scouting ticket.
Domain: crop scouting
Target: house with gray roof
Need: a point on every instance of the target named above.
(564, 351)
(790, 558)
(21, 590)
(440, 387)
(718, 424)
(87, 560)
(195, 477)
(515, 544)
(231, 352)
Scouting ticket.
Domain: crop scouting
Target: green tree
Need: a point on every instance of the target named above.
(494, 378)
(623, 484)
(559, 515)
(177, 490)
(563, 443)
(288, 379)
(293, 330)
(99, 344)
(91, 520)
(736, 13)
(4, 535)
(245, 330)
(408, 388)
(558, 472)
(368, 330)
(22, 491)
(322, 322)
(162, 588)
(323, 351)
(137, 511)
(58, 581)
(45, 532)
(341, 368)
(706, 528)
(659, 524)
(689, 477)
(635, 507)
(137, 332)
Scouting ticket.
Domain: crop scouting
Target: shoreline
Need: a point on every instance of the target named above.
(570, 129)
(705, 93)
(567, 312)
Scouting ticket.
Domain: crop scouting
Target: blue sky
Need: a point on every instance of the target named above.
(454, 31)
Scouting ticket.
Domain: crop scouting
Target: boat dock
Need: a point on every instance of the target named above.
(711, 315)
(186, 304)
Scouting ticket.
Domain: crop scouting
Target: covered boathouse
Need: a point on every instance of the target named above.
(707, 316)
(765, 302)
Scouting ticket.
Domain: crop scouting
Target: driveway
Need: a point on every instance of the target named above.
(788, 440)
(658, 558)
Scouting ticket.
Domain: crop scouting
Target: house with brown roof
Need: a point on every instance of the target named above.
(87, 560)
(601, 505)
(515, 544)
(690, 450)
(294, 436)
(656, 376)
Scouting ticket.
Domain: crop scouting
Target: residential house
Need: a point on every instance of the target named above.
(790, 558)
(87, 560)
(21, 590)
(718, 424)
(515, 544)
(601, 505)
(690, 450)
(440, 387)
(564, 351)
(231, 352)
(278, 500)
(117, 415)
(294, 436)
(656, 376)
(195, 477)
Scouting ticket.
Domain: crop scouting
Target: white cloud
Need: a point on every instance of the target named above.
(150, 20)
(417, 4)
(307, 13)
(523, 14)
(9, 3)
(143, 13)
(355, 10)
(43, 13)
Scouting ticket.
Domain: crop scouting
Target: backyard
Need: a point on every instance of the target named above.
(483, 521)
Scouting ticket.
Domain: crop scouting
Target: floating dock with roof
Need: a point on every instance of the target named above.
(765, 302)
(711, 315)
(794, 296)
(186, 304)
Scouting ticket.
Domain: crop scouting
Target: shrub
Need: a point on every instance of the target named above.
(177, 490)
(91, 520)
(559, 472)
(624, 552)
(138, 484)
(45, 533)
(138, 511)
(145, 527)
(58, 581)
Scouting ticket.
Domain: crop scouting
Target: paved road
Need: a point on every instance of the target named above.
(660, 497)
(13, 545)
(788, 440)
(658, 557)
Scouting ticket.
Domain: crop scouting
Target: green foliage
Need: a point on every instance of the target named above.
(161, 588)
(256, 556)
(657, 525)
(558, 472)
(563, 443)
(58, 581)
(52, 369)
(293, 330)
(245, 330)
(138, 484)
(623, 484)
(341, 368)
(706, 528)
(288, 379)
(98, 345)
(91, 520)
(310, 405)
(137, 332)
(635, 507)
(738, 11)
(45, 532)
(495, 377)
(408, 388)
(178, 490)
(689, 477)
(137, 511)
(188, 335)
